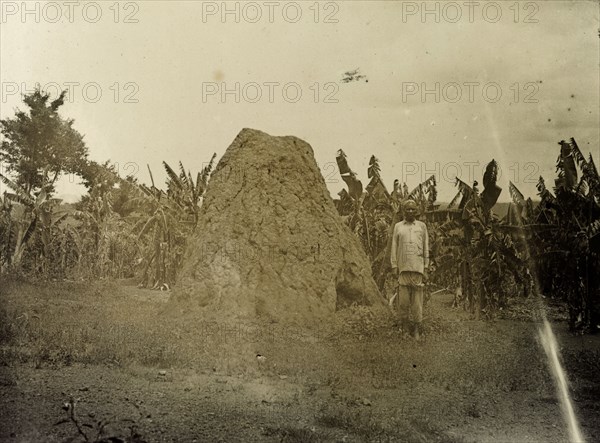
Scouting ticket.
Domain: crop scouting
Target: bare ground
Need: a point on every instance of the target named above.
(127, 360)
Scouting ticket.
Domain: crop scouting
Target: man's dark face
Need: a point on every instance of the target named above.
(410, 213)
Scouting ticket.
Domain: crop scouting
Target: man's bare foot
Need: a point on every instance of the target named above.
(417, 331)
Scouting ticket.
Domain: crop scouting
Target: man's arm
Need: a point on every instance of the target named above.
(393, 254)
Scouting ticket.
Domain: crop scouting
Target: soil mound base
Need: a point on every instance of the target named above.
(270, 242)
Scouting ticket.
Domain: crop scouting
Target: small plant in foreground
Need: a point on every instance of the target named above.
(97, 427)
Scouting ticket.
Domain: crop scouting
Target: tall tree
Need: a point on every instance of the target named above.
(38, 146)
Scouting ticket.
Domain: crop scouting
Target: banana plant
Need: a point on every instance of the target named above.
(565, 236)
(171, 216)
(28, 213)
(488, 260)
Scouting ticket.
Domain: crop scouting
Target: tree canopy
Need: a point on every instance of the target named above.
(38, 146)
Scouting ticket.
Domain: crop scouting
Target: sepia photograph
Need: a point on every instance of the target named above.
(300, 221)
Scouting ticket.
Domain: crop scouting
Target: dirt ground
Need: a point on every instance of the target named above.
(467, 381)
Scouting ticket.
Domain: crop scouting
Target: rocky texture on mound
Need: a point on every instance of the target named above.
(270, 242)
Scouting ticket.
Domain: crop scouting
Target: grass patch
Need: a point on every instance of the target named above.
(58, 324)
(373, 383)
(365, 425)
(290, 434)
(96, 323)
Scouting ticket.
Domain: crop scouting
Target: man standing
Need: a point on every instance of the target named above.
(410, 261)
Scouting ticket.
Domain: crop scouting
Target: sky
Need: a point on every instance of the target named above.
(446, 86)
